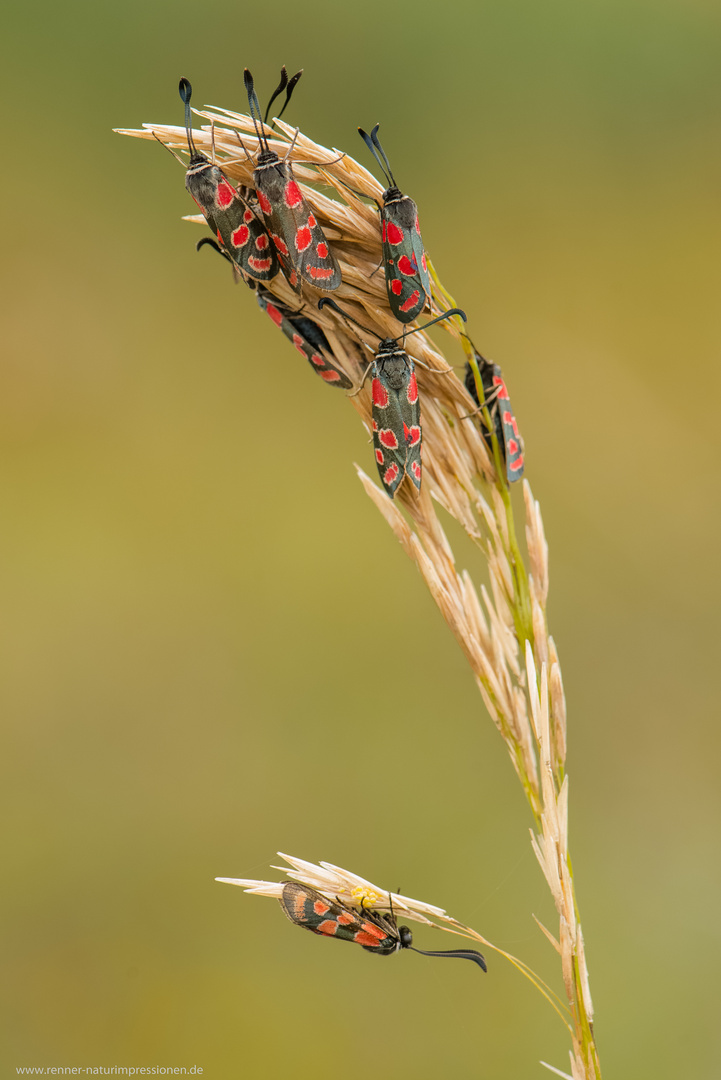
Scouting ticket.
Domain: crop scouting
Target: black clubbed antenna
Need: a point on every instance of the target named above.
(254, 109)
(445, 315)
(278, 90)
(438, 318)
(292, 83)
(186, 92)
(286, 84)
(378, 153)
(214, 245)
(462, 954)
(406, 938)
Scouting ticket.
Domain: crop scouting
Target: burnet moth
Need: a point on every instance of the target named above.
(303, 251)
(240, 232)
(497, 401)
(396, 410)
(404, 260)
(372, 930)
(307, 336)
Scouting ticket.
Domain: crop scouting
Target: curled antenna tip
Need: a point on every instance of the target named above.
(185, 90)
(460, 954)
(377, 151)
(214, 245)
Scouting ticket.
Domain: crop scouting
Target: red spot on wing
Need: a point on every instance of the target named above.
(299, 907)
(510, 421)
(317, 360)
(319, 273)
(387, 438)
(379, 394)
(394, 234)
(424, 264)
(220, 238)
(407, 267)
(259, 264)
(322, 250)
(298, 342)
(379, 457)
(303, 238)
(502, 394)
(328, 926)
(411, 301)
(262, 242)
(292, 194)
(224, 195)
(365, 938)
(375, 931)
(330, 375)
(513, 447)
(396, 286)
(413, 436)
(416, 470)
(311, 221)
(240, 236)
(391, 474)
(264, 202)
(274, 314)
(413, 389)
(320, 907)
(514, 466)
(418, 228)
(248, 216)
(279, 244)
(345, 917)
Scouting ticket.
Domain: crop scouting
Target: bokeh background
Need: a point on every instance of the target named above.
(213, 648)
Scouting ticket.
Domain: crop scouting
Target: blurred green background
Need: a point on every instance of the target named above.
(193, 582)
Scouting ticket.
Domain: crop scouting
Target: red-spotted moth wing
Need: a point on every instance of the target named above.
(396, 415)
(310, 909)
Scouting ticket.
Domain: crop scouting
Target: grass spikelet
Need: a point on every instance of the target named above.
(502, 629)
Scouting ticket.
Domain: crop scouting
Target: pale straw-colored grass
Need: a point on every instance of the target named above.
(502, 629)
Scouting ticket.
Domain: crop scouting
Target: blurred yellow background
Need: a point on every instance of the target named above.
(213, 648)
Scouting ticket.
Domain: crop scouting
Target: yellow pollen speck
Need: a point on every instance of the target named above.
(364, 898)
